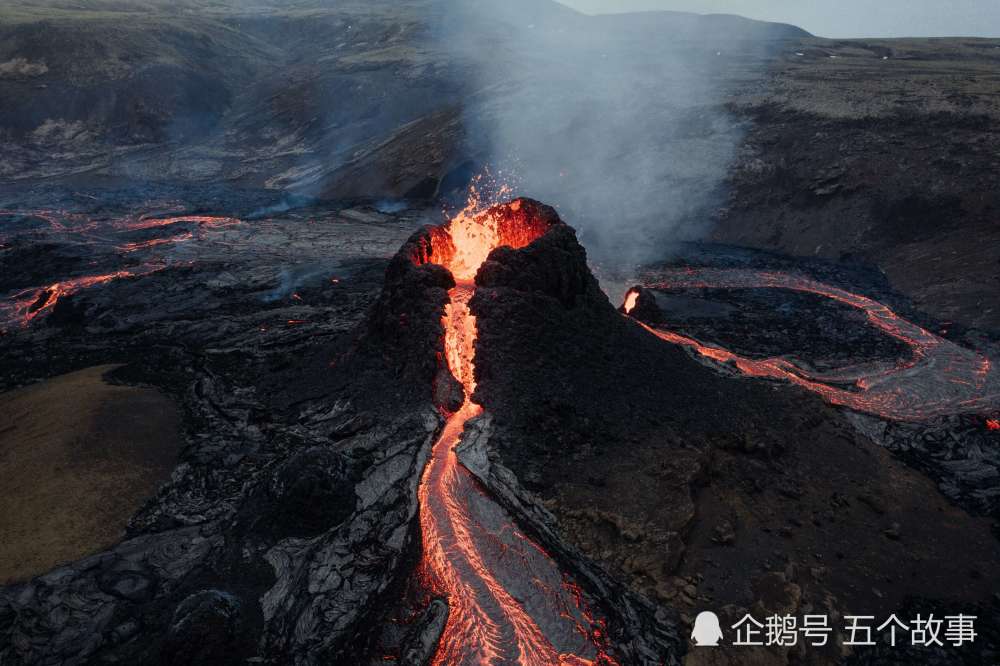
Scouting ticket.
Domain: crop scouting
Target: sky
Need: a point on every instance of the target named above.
(837, 18)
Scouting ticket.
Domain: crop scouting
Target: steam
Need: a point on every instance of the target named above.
(620, 126)
(287, 203)
(291, 278)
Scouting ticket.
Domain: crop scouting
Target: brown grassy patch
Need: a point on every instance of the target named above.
(78, 456)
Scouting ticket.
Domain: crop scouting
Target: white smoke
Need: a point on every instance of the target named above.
(617, 122)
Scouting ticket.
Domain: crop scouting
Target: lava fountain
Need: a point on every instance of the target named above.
(509, 602)
(938, 378)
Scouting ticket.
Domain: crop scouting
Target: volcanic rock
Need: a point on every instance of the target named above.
(289, 522)
(422, 641)
(397, 352)
(555, 264)
(724, 533)
(204, 630)
(574, 387)
(309, 494)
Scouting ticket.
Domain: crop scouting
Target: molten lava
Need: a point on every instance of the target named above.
(472, 550)
(28, 304)
(630, 300)
(210, 221)
(938, 378)
(24, 306)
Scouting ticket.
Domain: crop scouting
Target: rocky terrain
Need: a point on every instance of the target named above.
(232, 326)
(881, 151)
(209, 215)
(709, 492)
(893, 138)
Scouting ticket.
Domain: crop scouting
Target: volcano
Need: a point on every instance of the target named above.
(508, 598)
(467, 453)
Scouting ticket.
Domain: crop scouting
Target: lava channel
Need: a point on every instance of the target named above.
(509, 603)
(937, 379)
(24, 306)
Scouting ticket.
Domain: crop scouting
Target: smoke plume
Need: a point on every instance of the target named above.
(618, 121)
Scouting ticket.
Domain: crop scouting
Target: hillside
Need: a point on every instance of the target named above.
(883, 151)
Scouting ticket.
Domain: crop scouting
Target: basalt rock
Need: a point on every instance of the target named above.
(204, 630)
(398, 348)
(554, 265)
(309, 494)
(422, 640)
(290, 519)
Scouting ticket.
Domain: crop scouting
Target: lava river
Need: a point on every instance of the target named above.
(938, 378)
(21, 307)
(509, 603)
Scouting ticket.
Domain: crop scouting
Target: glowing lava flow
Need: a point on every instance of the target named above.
(210, 221)
(508, 601)
(24, 306)
(939, 378)
(28, 304)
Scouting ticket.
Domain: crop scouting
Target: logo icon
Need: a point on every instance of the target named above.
(706, 632)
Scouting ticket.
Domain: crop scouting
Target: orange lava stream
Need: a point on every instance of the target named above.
(204, 220)
(486, 624)
(473, 634)
(145, 245)
(939, 378)
(26, 305)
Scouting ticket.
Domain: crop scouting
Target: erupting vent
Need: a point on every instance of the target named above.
(630, 300)
(474, 235)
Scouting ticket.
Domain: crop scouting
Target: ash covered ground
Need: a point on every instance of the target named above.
(224, 352)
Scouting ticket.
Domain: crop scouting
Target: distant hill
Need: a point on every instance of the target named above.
(723, 27)
(293, 93)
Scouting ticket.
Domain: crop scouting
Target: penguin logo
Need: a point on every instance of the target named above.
(706, 632)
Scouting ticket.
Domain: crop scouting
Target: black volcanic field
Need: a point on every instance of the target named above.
(221, 368)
